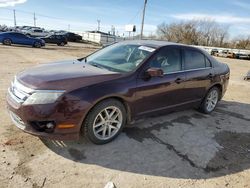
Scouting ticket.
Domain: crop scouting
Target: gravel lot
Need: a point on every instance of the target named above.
(182, 149)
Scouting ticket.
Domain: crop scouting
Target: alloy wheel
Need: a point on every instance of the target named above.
(107, 123)
(212, 100)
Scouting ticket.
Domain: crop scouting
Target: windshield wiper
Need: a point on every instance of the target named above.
(96, 65)
(103, 66)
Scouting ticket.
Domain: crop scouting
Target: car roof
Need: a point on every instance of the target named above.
(152, 43)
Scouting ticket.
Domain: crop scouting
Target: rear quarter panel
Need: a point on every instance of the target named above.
(222, 75)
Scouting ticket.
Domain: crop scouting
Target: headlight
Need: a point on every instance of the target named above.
(43, 97)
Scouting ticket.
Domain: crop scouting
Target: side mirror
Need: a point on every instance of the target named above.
(155, 72)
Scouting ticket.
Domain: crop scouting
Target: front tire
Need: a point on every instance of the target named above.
(210, 101)
(105, 121)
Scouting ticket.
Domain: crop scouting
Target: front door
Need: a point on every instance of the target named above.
(159, 93)
(22, 39)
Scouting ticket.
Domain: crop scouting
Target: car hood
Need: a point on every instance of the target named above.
(66, 75)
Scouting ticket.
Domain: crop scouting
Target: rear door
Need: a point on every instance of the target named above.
(199, 74)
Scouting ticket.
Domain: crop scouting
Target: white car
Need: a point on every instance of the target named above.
(36, 32)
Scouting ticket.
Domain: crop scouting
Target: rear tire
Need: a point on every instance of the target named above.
(210, 101)
(7, 42)
(37, 45)
(105, 121)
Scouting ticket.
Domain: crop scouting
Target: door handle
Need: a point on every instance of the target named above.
(179, 80)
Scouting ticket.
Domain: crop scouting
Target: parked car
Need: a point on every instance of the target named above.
(72, 37)
(214, 52)
(243, 56)
(60, 40)
(34, 32)
(101, 93)
(230, 54)
(226, 53)
(8, 38)
(3, 28)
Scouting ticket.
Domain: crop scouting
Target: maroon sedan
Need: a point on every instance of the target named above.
(99, 94)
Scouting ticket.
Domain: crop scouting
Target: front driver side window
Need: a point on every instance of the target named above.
(168, 59)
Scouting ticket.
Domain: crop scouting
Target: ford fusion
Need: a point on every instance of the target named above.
(96, 96)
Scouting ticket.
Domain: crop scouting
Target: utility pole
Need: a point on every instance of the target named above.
(34, 19)
(143, 16)
(98, 27)
(112, 30)
(14, 11)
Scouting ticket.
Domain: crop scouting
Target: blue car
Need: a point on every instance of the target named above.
(8, 38)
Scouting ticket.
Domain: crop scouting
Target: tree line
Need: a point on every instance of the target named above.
(201, 32)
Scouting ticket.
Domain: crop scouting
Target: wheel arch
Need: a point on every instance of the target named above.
(118, 98)
(219, 86)
(7, 38)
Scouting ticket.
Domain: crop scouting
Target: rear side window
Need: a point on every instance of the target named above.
(208, 63)
(194, 60)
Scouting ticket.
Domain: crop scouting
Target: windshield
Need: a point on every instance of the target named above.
(120, 57)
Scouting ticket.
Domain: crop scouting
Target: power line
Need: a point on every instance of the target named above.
(34, 15)
(28, 12)
(9, 19)
(51, 17)
(22, 21)
(17, 10)
(137, 13)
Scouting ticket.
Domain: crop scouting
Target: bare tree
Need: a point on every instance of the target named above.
(207, 31)
(223, 35)
(198, 32)
(243, 42)
(184, 32)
